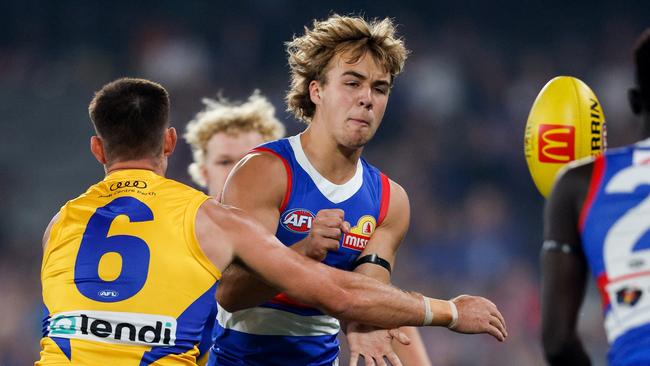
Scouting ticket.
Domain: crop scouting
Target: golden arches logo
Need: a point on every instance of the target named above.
(556, 143)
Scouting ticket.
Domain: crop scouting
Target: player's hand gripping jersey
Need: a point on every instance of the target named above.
(281, 331)
(615, 230)
(127, 283)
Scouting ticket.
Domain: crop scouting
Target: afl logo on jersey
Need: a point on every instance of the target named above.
(298, 220)
(108, 293)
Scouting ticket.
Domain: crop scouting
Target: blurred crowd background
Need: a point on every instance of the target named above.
(452, 134)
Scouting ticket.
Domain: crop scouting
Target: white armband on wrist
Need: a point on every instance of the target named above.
(454, 315)
(428, 314)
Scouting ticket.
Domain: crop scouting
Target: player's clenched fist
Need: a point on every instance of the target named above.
(477, 314)
(326, 230)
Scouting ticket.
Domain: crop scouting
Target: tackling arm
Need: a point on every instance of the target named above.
(564, 269)
(225, 233)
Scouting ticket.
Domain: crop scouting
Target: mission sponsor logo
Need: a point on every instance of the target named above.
(114, 327)
(556, 143)
(298, 220)
(358, 237)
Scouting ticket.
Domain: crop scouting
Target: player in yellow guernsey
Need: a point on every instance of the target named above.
(129, 267)
(137, 280)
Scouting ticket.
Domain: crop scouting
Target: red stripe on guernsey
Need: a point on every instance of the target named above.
(594, 186)
(602, 282)
(283, 299)
(287, 192)
(385, 198)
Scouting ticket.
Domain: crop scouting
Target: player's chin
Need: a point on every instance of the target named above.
(356, 142)
(359, 137)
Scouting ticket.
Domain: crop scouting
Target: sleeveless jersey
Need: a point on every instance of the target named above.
(615, 230)
(124, 279)
(281, 331)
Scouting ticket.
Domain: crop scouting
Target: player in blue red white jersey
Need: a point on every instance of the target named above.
(220, 135)
(321, 198)
(597, 218)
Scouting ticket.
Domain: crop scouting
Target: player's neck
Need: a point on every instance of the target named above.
(334, 162)
(645, 127)
(141, 164)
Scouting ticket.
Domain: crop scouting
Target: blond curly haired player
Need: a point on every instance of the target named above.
(223, 132)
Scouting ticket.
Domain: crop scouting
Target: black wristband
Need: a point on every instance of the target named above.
(374, 259)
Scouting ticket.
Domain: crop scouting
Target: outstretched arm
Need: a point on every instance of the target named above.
(225, 233)
(564, 269)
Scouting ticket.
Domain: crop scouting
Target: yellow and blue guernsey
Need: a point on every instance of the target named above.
(124, 279)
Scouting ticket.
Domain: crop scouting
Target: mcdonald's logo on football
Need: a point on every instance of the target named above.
(556, 143)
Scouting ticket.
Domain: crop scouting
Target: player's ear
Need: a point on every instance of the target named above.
(634, 97)
(314, 92)
(170, 141)
(97, 148)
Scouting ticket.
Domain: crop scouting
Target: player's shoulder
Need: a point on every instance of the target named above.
(259, 167)
(397, 206)
(48, 229)
(396, 190)
(280, 148)
(578, 168)
(573, 181)
(228, 218)
(180, 187)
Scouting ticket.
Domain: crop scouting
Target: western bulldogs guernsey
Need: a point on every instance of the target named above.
(282, 332)
(615, 223)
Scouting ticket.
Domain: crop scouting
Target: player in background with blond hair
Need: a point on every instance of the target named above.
(223, 133)
(342, 71)
(220, 135)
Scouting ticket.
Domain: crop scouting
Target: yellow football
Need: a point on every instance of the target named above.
(566, 122)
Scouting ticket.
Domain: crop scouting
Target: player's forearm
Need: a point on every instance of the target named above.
(241, 289)
(565, 352)
(414, 354)
(394, 308)
(369, 301)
